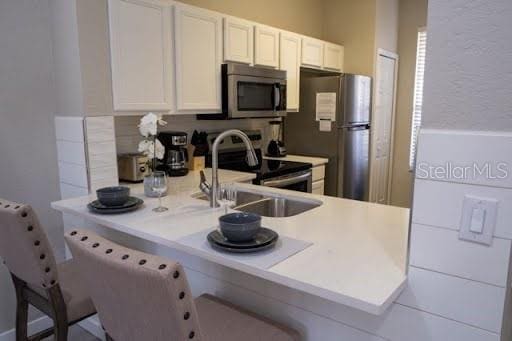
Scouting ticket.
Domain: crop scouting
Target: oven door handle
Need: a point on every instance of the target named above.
(287, 180)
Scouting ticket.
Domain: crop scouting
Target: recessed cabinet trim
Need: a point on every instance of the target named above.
(312, 52)
(151, 52)
(333, 57)
(289, 61)
(198, 49)
(266, 46)
(238, 40)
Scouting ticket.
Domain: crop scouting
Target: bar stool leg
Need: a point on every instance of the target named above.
(21, 310)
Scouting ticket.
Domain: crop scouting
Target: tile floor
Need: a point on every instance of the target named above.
(77, 334)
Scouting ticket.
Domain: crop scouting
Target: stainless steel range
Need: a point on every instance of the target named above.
(271, 173)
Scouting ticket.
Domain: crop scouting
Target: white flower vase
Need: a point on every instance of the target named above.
(148, 189)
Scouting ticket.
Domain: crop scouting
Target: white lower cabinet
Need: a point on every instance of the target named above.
(289, 61)
(198, 49)
(141, 56)
(317, 187)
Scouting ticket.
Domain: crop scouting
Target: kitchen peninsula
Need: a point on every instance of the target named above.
(356, 254)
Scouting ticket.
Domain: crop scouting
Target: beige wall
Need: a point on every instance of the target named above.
(412, 15)
(301, 16)
(386, 24)
(352, 24)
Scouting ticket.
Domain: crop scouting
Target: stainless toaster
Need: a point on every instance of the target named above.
(132, 167)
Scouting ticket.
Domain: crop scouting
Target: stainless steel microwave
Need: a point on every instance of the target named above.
(249, 91)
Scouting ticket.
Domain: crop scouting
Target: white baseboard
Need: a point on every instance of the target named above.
(33, 327)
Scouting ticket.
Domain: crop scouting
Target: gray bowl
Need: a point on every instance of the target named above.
(240, 226)
(113, 196)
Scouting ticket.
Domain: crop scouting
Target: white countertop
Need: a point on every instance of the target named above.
(315, 161)
(357, 258)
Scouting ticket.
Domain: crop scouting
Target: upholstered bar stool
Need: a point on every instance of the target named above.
(145, 297)
(54, 289)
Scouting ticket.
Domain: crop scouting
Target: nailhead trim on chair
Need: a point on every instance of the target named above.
(95, 245)
(73, 233)
(182, 295)
(84, 238)
(191, 335)
(30, 228)
(125, 257)
(24, 214)
(186, 316)
(43, 256)
(37, 242)
(162, 266)
(142, 262)
(108, 251)
(176, 274)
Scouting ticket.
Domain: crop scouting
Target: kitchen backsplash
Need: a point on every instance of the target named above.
(128, 137)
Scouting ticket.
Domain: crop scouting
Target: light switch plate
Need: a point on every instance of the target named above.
(478, 219)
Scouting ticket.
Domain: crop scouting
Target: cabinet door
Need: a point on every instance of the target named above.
(333, 57)
(312, 52)
(266, 46)
(140, 47)
(317, 187)
(238, 40)
(198, 44)
(289, 61)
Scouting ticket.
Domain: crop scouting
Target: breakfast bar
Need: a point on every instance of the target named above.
(348, 252)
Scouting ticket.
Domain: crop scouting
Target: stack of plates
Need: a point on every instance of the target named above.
(132, 204)
(264, 240)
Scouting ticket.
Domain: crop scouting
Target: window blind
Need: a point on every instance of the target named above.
(418, 94)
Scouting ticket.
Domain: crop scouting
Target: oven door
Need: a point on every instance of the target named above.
(250, 96)
(300, 181)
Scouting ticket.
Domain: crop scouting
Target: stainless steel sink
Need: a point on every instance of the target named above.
(270, 206)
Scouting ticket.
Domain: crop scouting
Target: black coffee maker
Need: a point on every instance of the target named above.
(276, 146)
(176, 155)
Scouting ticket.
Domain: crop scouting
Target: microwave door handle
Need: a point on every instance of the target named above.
(277, 96)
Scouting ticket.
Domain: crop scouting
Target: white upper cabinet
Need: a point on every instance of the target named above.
(198, 49)
(141, 58)
(312, 52)
(238, 40)
(266, 46)
(289, 61)
(333, 57)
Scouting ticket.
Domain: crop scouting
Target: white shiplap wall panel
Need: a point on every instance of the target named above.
(474, 303)
(101, 151)
(72, 174)
(439, 203)
(71, 152)
(69, 129)
(441, 250)
(442, 148)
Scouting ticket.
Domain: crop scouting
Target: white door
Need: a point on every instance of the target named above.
(289, 61)
(198, 48)
(141, 59)
(382, 126)
(266, 46)
(312, 53)
(238, 40)
(333, 57)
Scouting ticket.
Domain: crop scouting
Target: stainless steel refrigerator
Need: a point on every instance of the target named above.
(347, 144)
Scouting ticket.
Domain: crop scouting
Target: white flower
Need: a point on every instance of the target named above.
(150, 148)
(148, 124)
(159, 150)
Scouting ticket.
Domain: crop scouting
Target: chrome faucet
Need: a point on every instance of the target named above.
(212, 191)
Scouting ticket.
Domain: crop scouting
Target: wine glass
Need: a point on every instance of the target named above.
(159, 185)
(227, 196)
